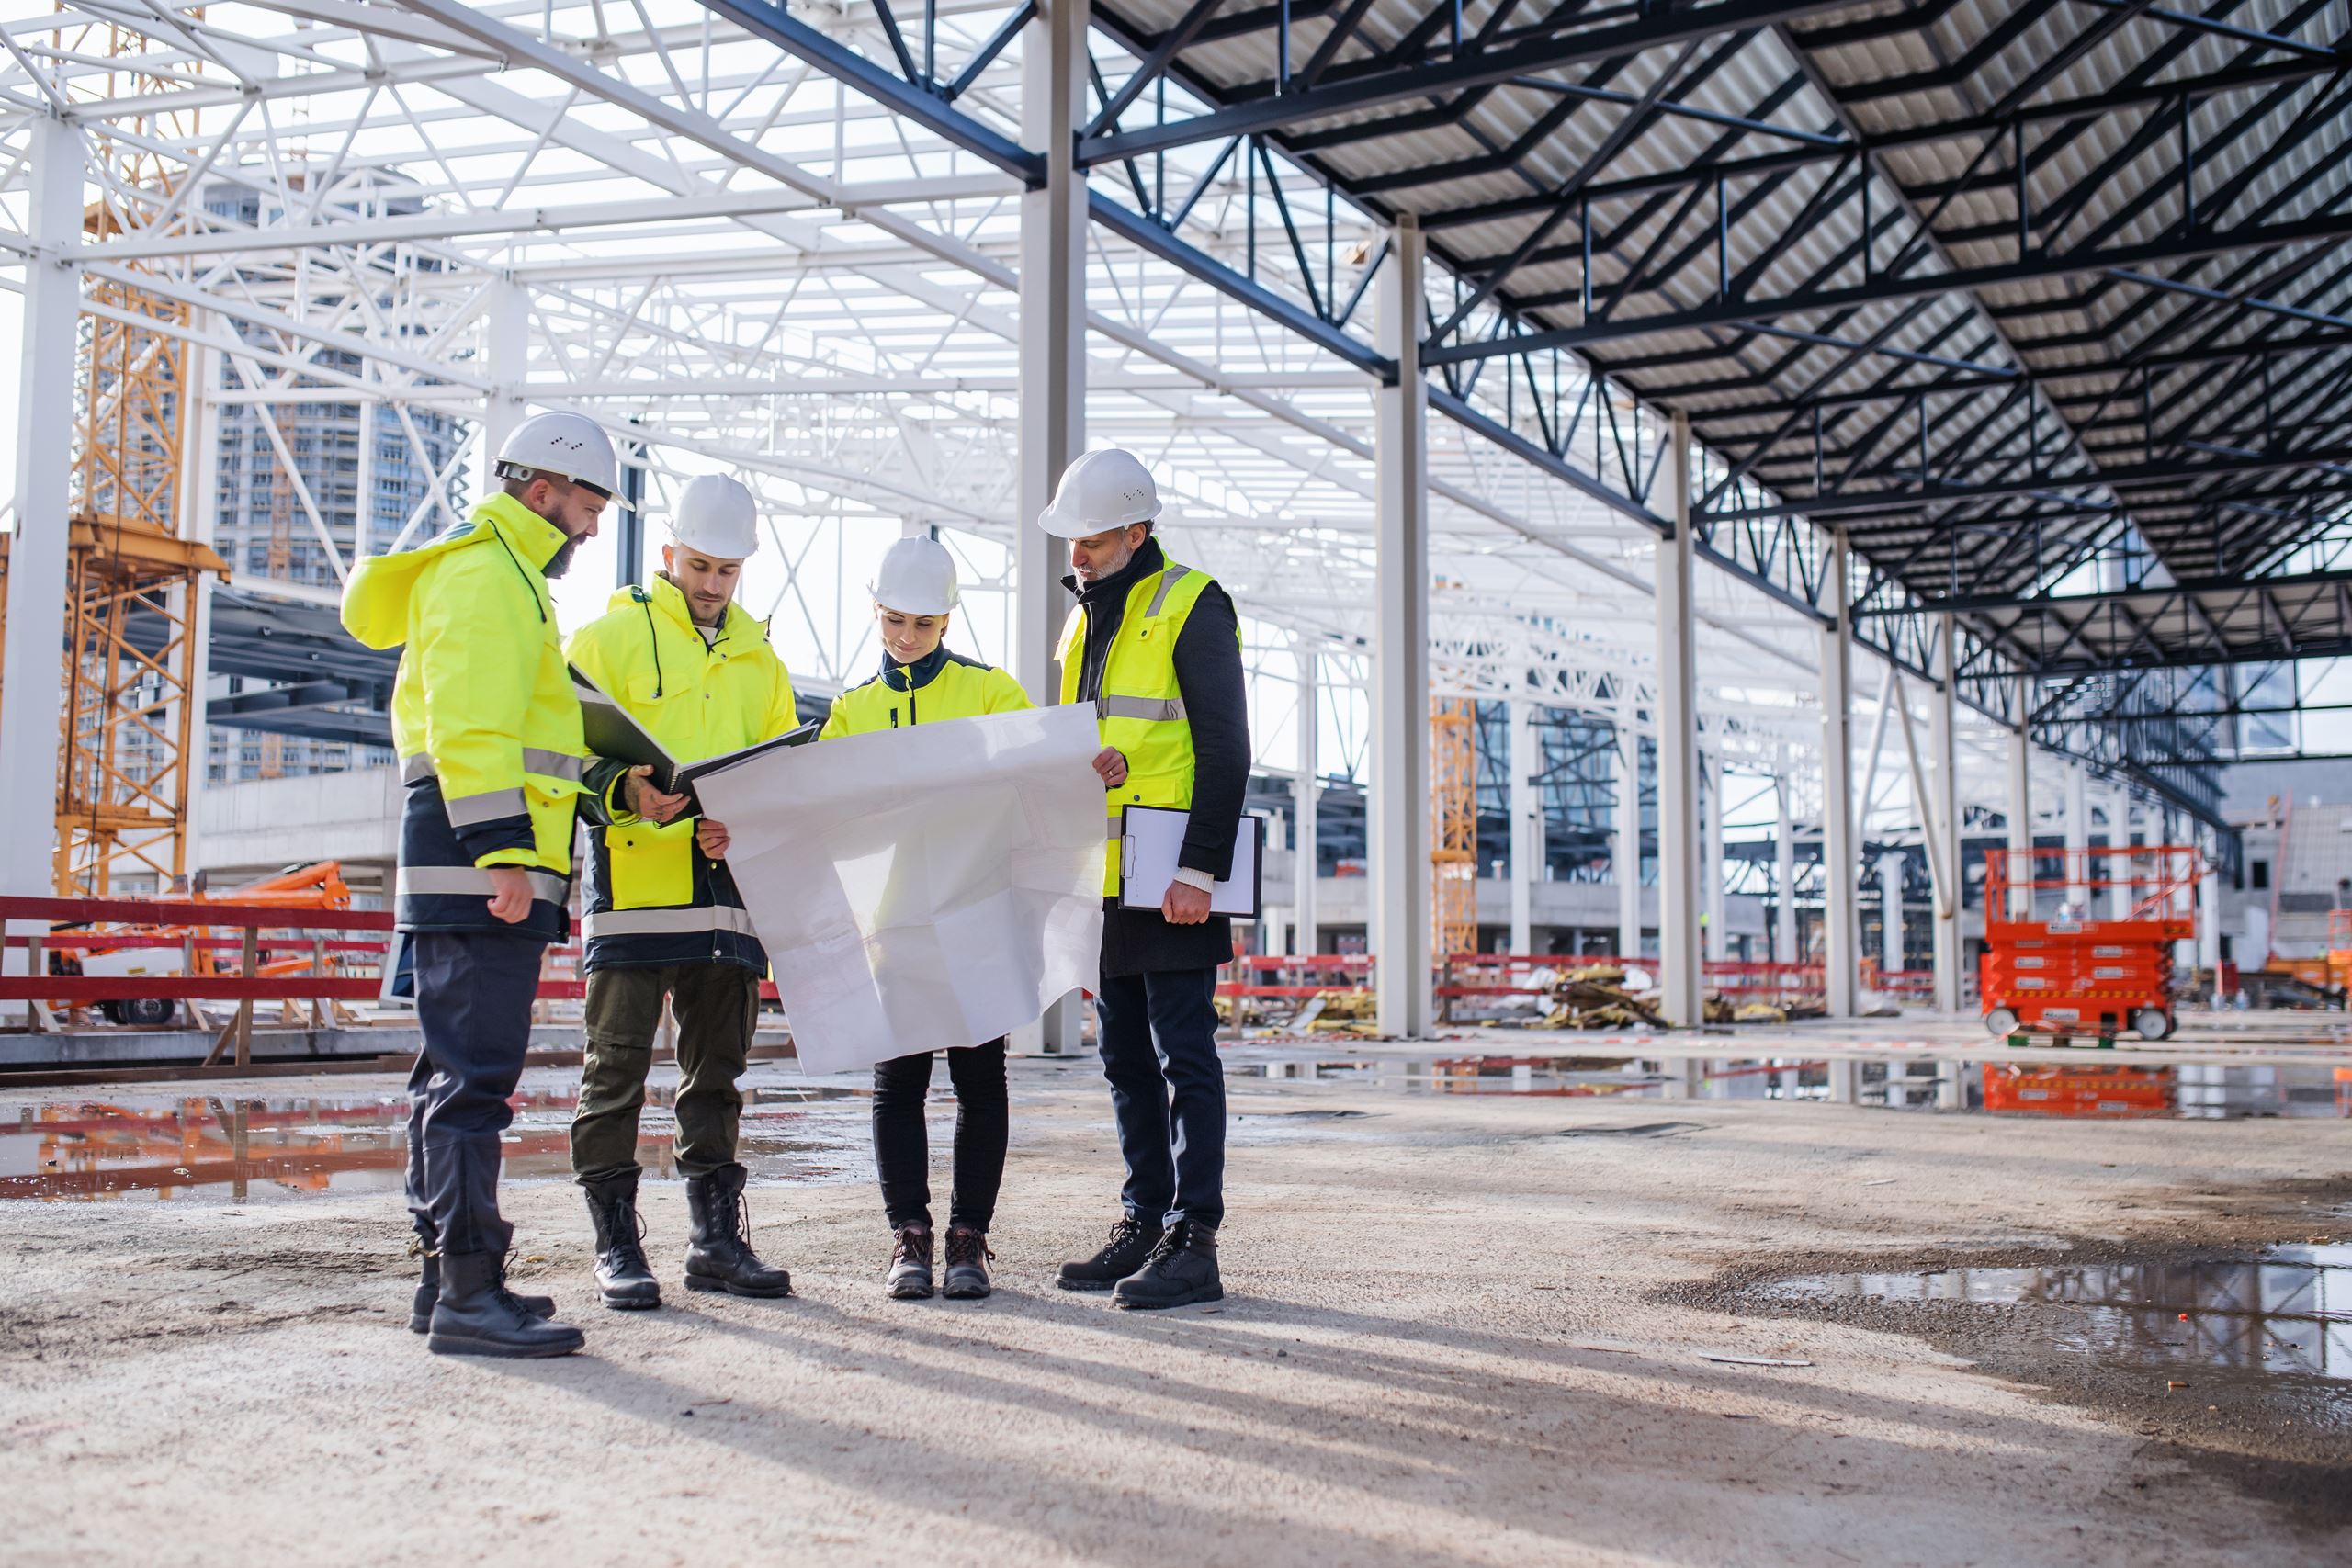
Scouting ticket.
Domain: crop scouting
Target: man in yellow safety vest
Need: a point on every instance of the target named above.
(664, 919)
(1156, 648)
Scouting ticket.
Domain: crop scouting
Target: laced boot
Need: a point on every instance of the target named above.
(719, 1256)
(967, 1264)
(1130, 1243)
(1180, 1270)
(908, 1279)
(428, 1291)
(477, 1316)
(623, 1277)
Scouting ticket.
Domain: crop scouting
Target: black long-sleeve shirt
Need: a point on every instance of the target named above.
(1209, 679)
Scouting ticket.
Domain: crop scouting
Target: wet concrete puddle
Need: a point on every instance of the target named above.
(208, 1146)
(2090, 1091)
(2286, 1313)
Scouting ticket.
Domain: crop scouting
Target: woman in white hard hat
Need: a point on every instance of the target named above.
(921, 682)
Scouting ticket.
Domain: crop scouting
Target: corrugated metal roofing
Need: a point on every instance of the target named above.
(2193, 399)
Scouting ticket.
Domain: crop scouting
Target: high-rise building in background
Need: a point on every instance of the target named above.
(360, 466)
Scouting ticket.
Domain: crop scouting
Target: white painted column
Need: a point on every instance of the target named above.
(1625, 839)
(1307, 783)
(2208, 908)
(1400, 709)
(1053, 370)
(1679, 954)
(1711, 876)
(2078, 835)
(1890, 939)
(1784, 870)
(1952, 878)
(200, 513)
(1840, 931)
(507, 324)
(2020, 809)
(1526, 825)
(32, 701)
(2118, 867)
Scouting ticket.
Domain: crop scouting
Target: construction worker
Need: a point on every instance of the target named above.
(487, 734)
(664, 919)
(914, 594)
(1156, 648)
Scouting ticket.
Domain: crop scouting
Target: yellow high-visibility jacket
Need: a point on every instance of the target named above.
(1141, 709)
(484, 721)
(654, 897)
(940, 686)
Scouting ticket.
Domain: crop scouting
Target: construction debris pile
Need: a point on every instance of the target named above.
(1595, 998)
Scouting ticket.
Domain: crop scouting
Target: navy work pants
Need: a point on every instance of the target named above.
(1157, 1033)
(474, 991)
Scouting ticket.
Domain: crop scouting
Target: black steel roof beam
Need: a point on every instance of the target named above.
(2138, 476)
(2236, 34)
(1506, 157)
(2188, 590)
(1732, 313)
(1350, 89)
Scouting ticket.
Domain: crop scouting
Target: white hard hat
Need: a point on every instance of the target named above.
(571, 446)
(1103, 490)
(917, 577)
(717, 517)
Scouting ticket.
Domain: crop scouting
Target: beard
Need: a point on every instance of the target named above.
(561, 562)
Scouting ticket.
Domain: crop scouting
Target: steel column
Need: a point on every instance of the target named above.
(1840, 931)
(1526, 810)
(1890, 928)
(2020, 809)
(1625, 842)
(32, 704)
(1711, 876)
(507, 325)
(1307, 805)
(1679, 954)
(1951, 879)
(1053, 365)
(1784, 870)
(1400, 715)
(2078, 829)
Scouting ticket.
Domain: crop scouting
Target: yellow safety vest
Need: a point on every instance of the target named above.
(651, 898)
(1140, 711)
(940, 686)
(484, 721)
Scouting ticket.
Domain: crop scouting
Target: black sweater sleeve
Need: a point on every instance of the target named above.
(1208, 676)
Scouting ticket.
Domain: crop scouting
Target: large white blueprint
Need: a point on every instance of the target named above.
(923, 888)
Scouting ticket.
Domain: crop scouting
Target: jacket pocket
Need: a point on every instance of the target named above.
(652, 867)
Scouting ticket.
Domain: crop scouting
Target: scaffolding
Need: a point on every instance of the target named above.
(1454, 826)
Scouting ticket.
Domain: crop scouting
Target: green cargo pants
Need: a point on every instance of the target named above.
(717, 1005)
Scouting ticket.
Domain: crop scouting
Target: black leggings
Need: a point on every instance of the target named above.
(902, 1146)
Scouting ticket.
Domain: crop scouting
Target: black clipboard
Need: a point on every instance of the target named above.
(612, 732)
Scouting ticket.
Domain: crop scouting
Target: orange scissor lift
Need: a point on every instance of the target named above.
(2081, 942)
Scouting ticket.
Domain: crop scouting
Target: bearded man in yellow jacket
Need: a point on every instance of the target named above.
(487, 734)
(664, 920)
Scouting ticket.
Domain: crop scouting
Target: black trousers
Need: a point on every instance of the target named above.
(474, 991)
(902, 1144)
(1157, 1033)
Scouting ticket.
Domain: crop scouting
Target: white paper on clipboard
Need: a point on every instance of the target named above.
(1154, 837)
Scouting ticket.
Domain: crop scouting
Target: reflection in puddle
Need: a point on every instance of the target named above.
(1903, 1082)
(2287, 1313)
(246, 1149)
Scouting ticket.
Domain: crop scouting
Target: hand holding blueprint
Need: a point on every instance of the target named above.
(923, 888)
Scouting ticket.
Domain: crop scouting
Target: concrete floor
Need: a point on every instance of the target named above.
(1461, 1330)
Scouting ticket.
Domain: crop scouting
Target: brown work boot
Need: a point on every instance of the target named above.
(967, 1264)
(908, 1279)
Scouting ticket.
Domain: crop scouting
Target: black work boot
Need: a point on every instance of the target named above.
(908, 1279)
(623, 1277)
(477, 1317)
(1180, 1270)
(721, 1256)
(967, 1264)
(428, 1291)
(1130, 1243)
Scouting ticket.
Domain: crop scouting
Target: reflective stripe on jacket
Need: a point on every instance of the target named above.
(940, 686)
(1140, 711)
(484, 722)
(654, 897)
